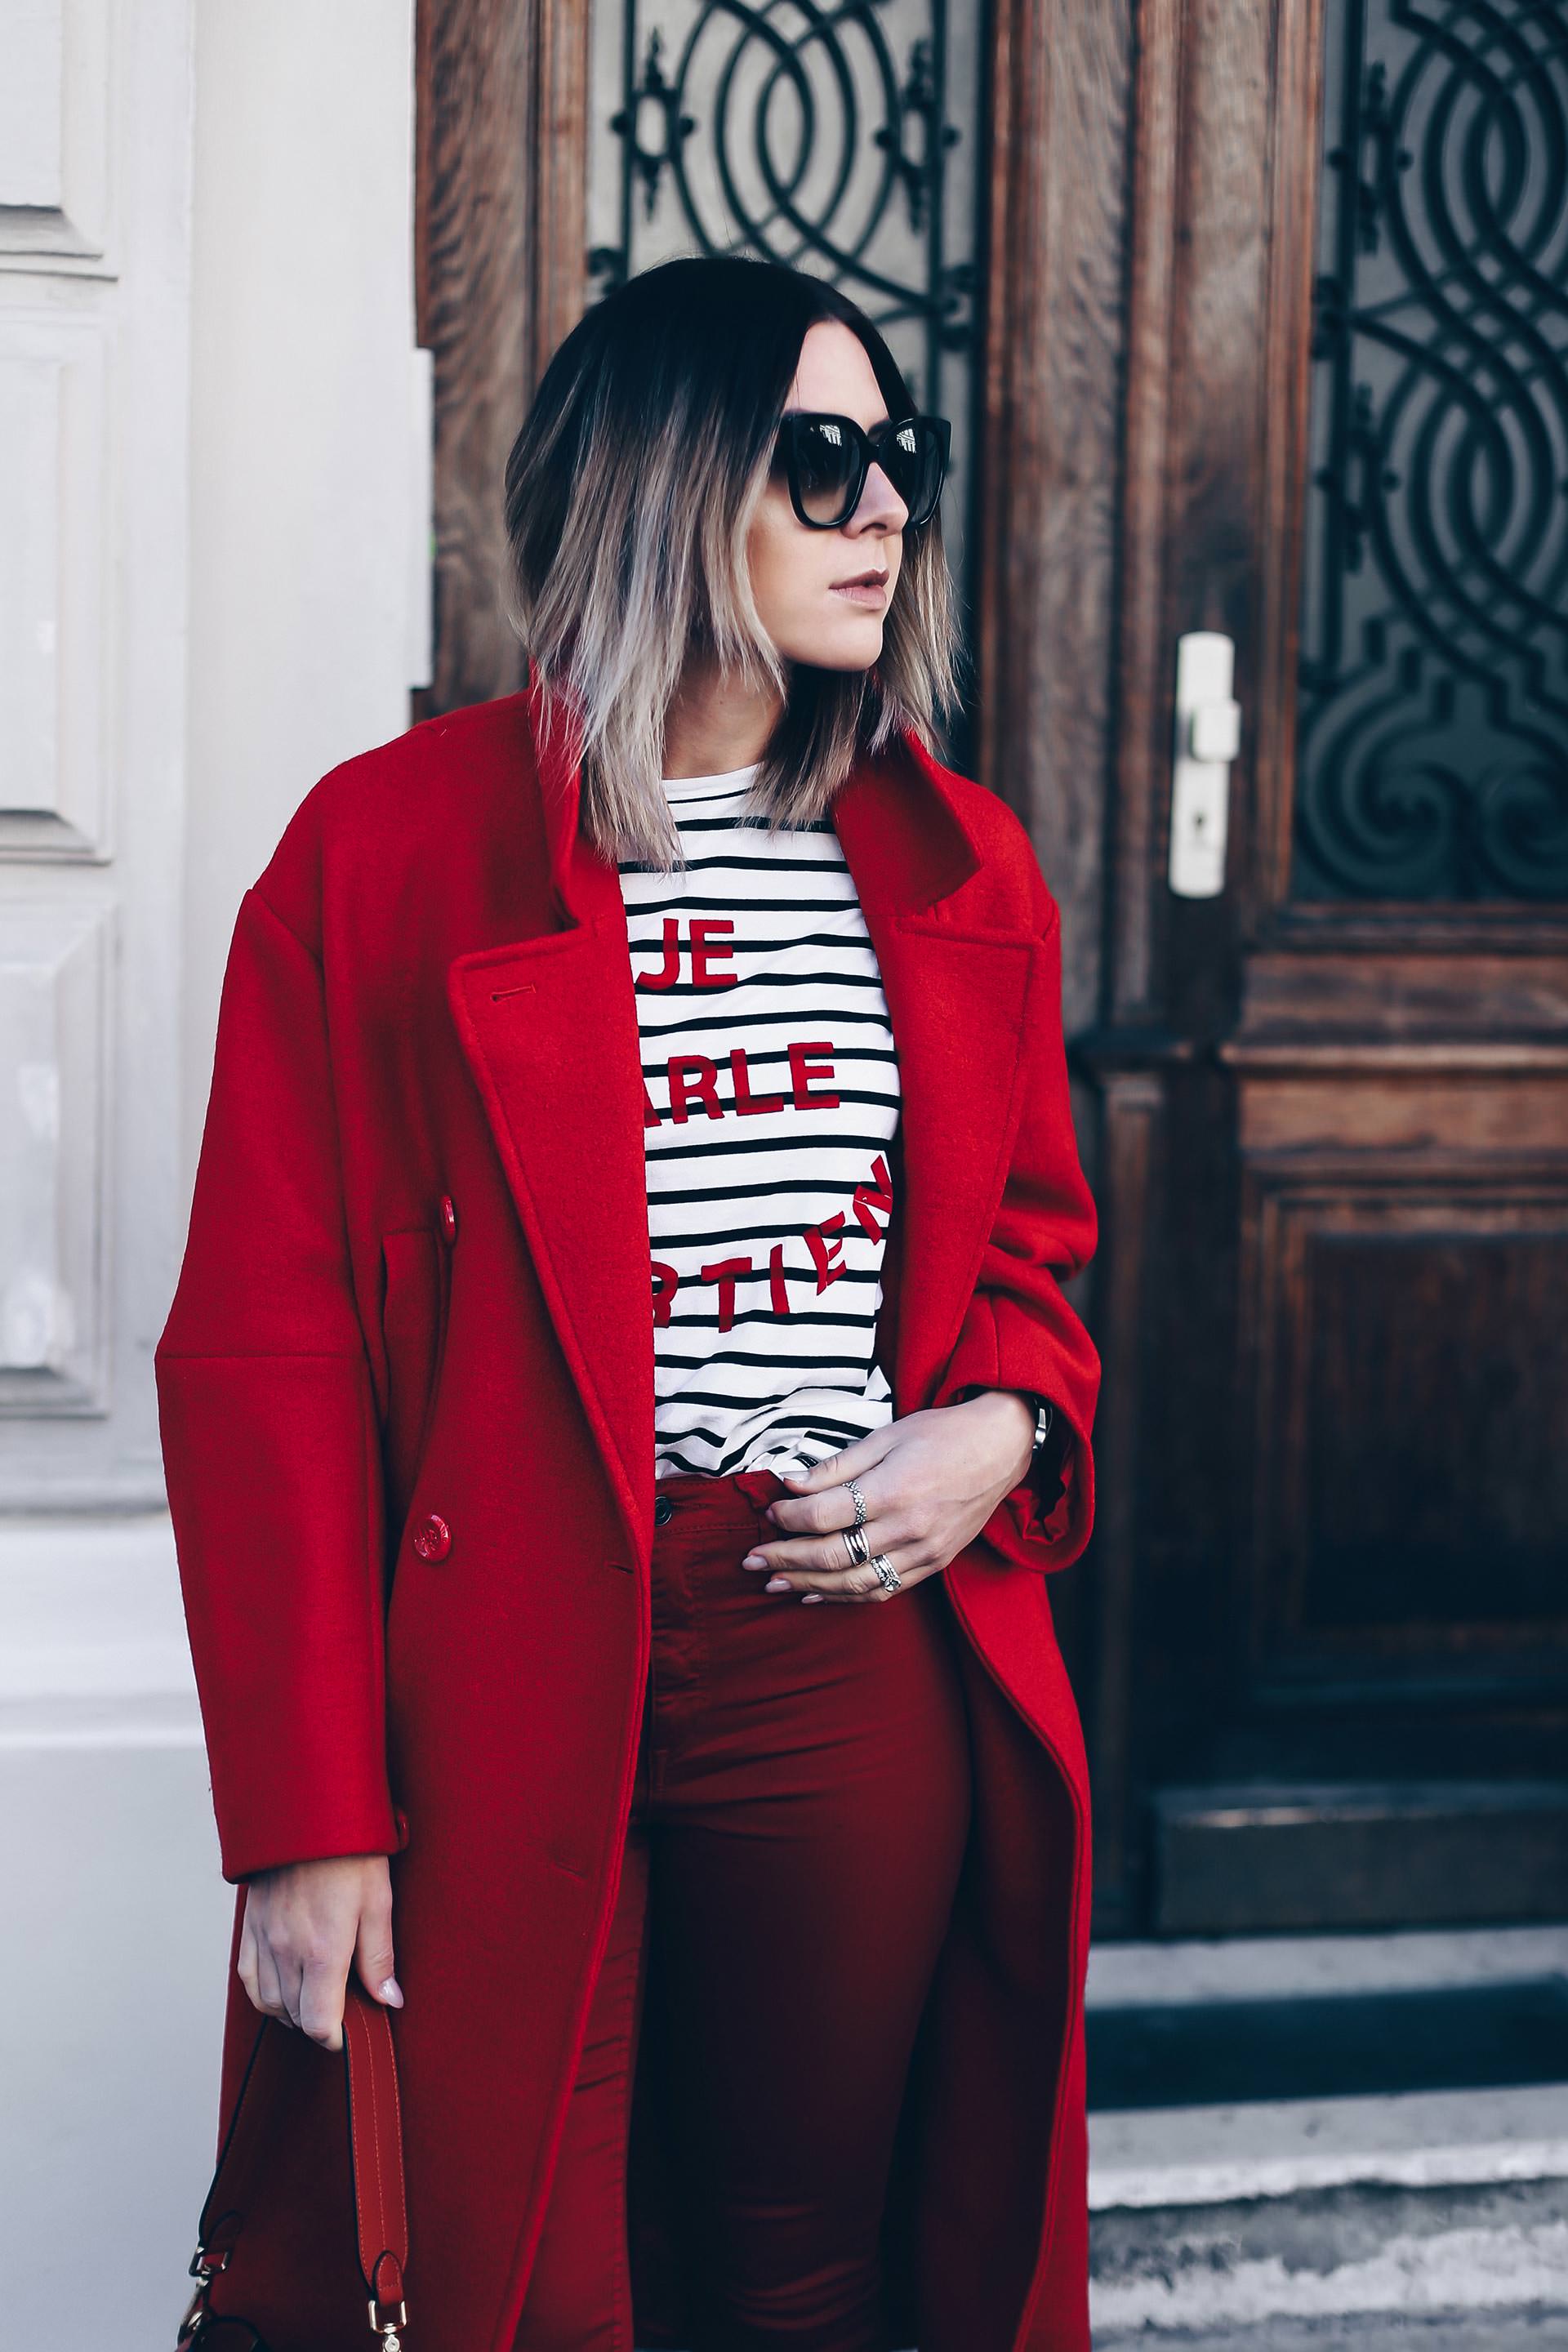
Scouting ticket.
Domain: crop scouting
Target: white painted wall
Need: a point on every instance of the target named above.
(308, 570)
(214, 584)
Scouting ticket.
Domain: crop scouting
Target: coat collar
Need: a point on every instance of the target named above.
(549, 1024)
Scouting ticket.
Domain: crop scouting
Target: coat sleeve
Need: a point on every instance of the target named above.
(1019, 1331)
(271, 1443)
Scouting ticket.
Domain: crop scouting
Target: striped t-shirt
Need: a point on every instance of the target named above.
(771, 1105)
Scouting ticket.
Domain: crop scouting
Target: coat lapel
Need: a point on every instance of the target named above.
(549, 1025)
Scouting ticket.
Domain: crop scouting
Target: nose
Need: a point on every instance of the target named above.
(879, 507)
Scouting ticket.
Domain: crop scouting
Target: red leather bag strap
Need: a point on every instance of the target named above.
(375, 2146)
(375, 2138)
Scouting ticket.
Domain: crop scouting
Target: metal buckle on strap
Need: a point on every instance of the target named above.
(387, 2328)
(196, 2315)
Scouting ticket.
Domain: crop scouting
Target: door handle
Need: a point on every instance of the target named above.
(1208, 737)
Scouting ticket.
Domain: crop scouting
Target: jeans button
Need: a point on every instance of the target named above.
(663, 1510)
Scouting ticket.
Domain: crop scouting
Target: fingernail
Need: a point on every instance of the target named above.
(754, 1559)
(392, 1991)
(809, 1596)
(776, 1584)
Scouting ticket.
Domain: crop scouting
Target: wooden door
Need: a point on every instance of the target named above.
(1330, 1673)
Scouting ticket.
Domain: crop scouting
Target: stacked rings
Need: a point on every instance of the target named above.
(859, 1546)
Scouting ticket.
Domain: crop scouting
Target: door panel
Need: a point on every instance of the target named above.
(1340, 1632)
(1400, 1332)
(95, 300)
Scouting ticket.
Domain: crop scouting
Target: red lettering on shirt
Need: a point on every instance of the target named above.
(803, 1072)
(700, 952)
(723, 1271)
(746, 1103)
(879, 1194)
(702, 1089)
(778, 1288)
(702, 955)
(669, 971)
(824, 1250)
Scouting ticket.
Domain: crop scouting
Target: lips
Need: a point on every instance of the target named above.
(864, 580)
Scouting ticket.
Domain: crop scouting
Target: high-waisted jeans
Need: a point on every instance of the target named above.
(796, 1831)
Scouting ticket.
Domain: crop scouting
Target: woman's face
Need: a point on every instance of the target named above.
(799, 576)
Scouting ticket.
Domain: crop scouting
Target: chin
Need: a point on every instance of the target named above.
(847, 649)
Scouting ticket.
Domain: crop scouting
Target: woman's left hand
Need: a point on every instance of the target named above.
(931, 1481)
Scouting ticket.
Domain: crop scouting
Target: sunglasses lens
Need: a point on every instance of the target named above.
(827, 465)
(913, 460)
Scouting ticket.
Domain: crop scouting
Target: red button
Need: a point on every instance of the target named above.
(433, 1538)
(448, 1217)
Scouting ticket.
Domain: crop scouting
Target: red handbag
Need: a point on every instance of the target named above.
(214, 2321)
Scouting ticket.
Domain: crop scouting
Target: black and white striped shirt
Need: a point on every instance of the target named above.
(772, 1102)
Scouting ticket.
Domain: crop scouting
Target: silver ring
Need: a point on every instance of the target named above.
(859, 1502)
(859, 1546)
(885, 1570)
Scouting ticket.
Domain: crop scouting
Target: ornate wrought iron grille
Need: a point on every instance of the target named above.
(840, 139)
(1432, 754)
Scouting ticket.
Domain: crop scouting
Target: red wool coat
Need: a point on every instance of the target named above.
(406, 1393)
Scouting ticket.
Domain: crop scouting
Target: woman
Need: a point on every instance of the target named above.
(738, 1949)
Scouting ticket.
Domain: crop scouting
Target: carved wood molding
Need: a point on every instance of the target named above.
(1141, 758)
(1296, 97)
(1048, 425)
(500, 274)
(1131, 1144)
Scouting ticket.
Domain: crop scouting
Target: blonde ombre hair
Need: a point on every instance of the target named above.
(630, 493)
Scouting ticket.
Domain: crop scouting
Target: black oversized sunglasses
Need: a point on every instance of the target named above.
(826, 458)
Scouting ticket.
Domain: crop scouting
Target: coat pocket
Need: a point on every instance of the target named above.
(415, 1280)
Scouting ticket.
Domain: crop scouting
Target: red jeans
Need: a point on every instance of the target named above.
(797, 1826)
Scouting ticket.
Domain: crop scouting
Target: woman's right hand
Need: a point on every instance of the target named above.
(305, 1924)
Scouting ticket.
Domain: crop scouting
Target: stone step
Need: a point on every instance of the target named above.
(1252, 1858)
(1210, 2035)
(1470, 2331)
(1237, 2221)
